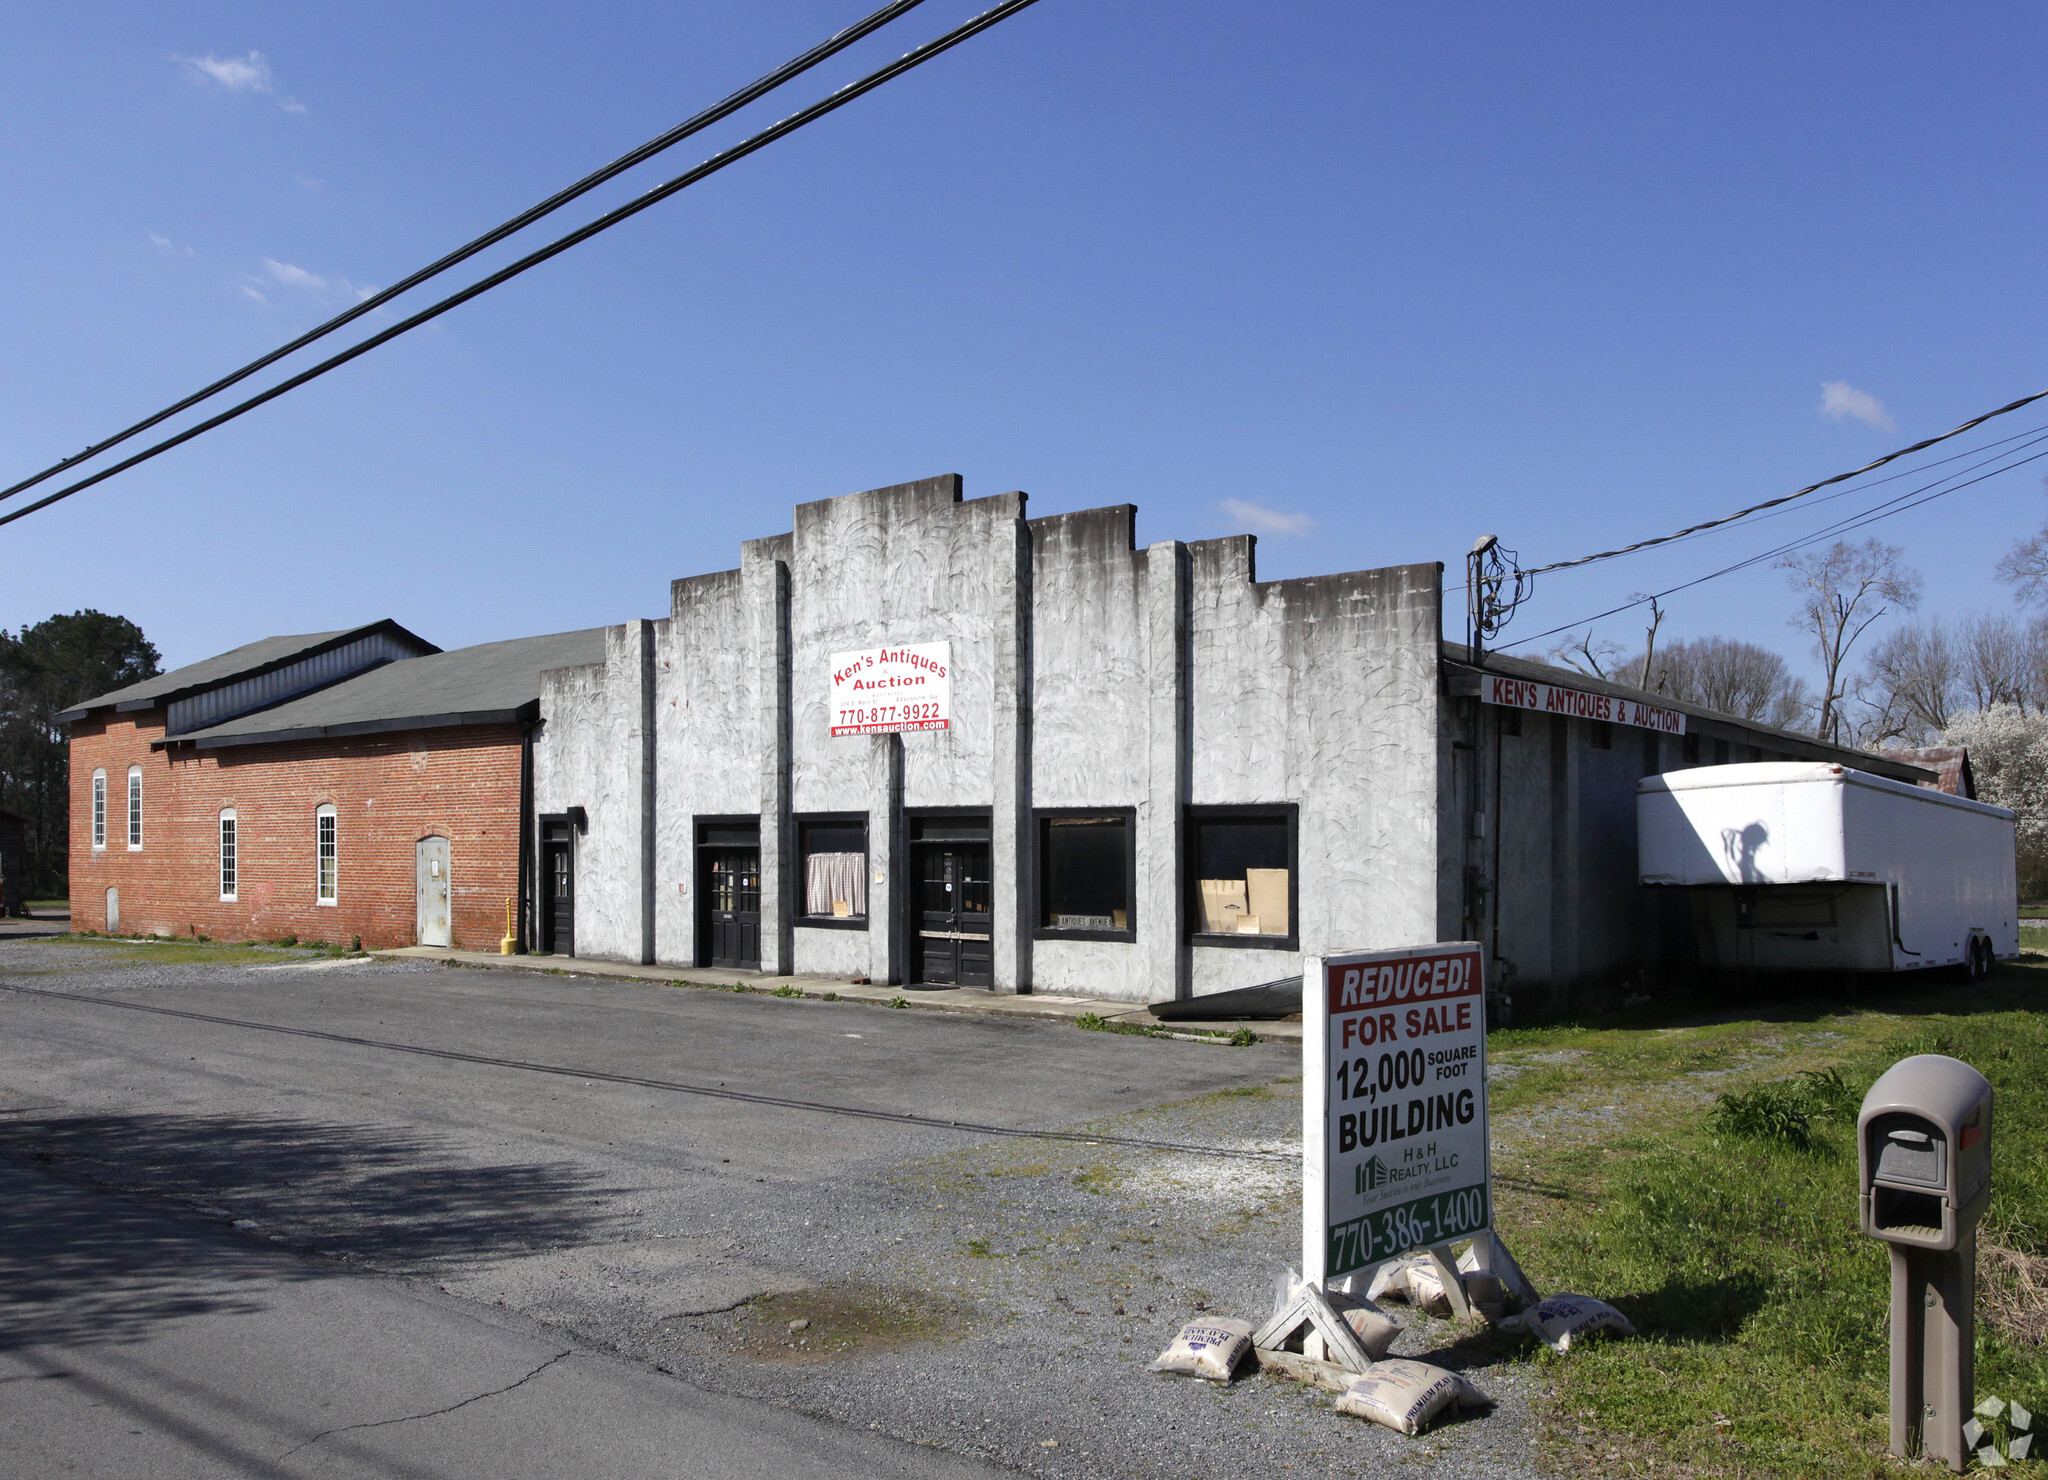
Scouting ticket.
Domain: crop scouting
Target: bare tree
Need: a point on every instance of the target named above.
(2025, 567)
(1843, 590)
(1911, 680)
(1736, 678)
(1998, 662)
(1595, 657)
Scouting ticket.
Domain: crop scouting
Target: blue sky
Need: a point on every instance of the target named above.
(1370, 280)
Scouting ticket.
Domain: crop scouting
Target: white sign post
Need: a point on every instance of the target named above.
(880, 691)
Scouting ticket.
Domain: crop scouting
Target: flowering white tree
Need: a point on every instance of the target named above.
(2009, 758)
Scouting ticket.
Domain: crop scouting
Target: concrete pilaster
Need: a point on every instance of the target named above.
(1161, 902)
(888, 860)
(768, 596)
(1011, 836)
(640, 635)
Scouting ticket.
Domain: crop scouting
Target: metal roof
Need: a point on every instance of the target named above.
(243, 662)
(1792, 742)
(491, 683)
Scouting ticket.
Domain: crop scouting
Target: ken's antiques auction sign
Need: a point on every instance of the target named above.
(1518, 693)
(879, 690)
(1394, 1113)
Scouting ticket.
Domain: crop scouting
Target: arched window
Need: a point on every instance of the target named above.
(134, 808)
(327, 852)
(227, 854)
(99, 809)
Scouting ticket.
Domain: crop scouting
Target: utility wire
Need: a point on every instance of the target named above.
(831, 103)
(1842, 526)
(1665, 539)
(762, 85)
(1913, 472)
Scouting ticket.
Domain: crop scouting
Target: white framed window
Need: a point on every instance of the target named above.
(134, 809)
(99, 810)
(227, 854)
(326, 851)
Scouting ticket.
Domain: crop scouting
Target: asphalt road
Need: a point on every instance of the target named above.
(383, 1219)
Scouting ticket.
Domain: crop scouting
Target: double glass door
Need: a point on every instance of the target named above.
(953, 914)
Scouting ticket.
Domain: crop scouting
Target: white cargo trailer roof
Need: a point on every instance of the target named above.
(1793, 773)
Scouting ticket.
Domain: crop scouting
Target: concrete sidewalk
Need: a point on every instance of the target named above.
(941, 999)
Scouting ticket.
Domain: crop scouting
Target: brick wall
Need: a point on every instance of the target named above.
(388, 791)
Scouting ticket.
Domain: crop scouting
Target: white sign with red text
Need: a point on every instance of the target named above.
(878, 691)
(1519, 693)
(1394, 1114)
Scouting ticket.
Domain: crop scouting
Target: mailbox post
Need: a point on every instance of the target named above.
(1924, 1162)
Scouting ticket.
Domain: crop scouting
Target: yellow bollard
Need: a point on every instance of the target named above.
(510, 944)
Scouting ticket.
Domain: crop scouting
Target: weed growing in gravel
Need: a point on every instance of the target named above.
(898, 1002)
(830, 997)
(786, 990)
(1094, 1022)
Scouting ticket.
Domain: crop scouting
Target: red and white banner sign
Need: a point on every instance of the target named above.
(877, 691)
(1518, 693)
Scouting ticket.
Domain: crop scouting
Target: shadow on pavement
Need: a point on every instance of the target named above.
(79, 1264)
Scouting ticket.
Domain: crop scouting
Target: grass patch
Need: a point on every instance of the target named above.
(1095, 1022)
(786, 990)
(1727, 1231)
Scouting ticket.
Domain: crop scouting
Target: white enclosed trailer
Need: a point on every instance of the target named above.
(1805, 866)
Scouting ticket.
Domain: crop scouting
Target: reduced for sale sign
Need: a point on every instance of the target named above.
(1395, 1131)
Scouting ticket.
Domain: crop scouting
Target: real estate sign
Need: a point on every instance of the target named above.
(880, 690)
(1393, 1104)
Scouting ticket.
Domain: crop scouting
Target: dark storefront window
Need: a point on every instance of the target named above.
(1085, 868)
(833, 855)
(1242, 866)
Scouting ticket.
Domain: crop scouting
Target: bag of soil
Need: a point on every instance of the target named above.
(1210, 1349)
(1373, 1327)
(1407, 1396)
(1558, 1320)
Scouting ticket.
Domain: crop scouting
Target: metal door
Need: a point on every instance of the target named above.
(953, 915)
(558, 890)
(731, 883)
(430, 892)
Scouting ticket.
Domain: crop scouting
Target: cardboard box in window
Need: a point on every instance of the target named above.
(1248, 925)
(1223, 900)
(841, 910)
(1266, 897)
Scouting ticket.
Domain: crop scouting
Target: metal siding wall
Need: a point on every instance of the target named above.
(216, 705)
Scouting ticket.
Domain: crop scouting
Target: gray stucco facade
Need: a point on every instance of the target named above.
(1163, 696)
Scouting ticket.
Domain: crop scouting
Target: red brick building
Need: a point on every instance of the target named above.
(332, 786)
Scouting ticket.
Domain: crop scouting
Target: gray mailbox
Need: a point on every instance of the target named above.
(1924, 1157)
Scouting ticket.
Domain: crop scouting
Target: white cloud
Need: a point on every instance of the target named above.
(238, 74)
(292, 277)
(165, 244)
(251, 292)
(360, 290)
(1838, 399)
(1261, 520)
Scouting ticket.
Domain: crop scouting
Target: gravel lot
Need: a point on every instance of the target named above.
(998, 1296)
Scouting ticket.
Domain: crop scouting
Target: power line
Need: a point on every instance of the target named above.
(828, 104)
(1665, 539)
(1895, 505)
(761, 86)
